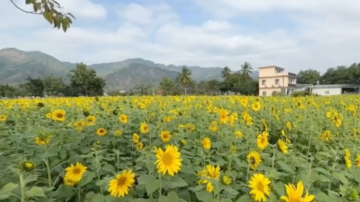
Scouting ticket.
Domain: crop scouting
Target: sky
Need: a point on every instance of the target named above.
(296, 35)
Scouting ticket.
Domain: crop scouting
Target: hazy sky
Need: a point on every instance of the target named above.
(297, 34)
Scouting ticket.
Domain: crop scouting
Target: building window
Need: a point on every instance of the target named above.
(263, 82)
(264, 93)
(277, 81)
(327, 92)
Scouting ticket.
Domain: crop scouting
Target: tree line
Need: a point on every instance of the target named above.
(80, 81)
(238, 82)
(333, 75)
(83, 81)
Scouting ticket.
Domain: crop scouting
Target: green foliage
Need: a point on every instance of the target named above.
(7, 91)
(301, 94)
(167, 86)
(54, 85)
(50, 10)
(309, 76)
(84, 81)
(36, 86)
(184, 79)
(310, 158)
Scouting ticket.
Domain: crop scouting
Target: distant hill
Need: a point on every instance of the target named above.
(16, 65)
(136, 73)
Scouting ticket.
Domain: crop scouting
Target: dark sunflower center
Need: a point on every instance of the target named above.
(121, 181)
(59, 115)
(252, 160)
(260, 186)
(167, 159)
(262, 140)
(77, 171)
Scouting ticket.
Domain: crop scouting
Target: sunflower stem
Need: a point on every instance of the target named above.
(48, 170)
(160, 187)
(22, 188)
(79, 193)
(273, 158)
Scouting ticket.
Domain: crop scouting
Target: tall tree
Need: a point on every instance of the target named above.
(36, 86)
(50, 10)
(213, 86)
(309, 76)
(7, 91)
(246, 70)
(54, 85)
(184, 78)
(167, 86)
(85, 81)
(226, 72)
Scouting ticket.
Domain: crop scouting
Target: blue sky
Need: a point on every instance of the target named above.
(292, 34)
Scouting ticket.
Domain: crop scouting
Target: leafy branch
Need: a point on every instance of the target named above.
(49, 9)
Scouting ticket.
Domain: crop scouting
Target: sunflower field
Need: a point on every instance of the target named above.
(180, 149)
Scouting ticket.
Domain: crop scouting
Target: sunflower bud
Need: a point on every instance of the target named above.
(28, 166)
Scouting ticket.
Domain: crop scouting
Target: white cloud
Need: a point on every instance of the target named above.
(231, 8)
(136, 13)
(84, 9)
(324, 35)
(217, 26)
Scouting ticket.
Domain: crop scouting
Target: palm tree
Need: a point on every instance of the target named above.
(226, 72)
(246, 70)
(184, 78)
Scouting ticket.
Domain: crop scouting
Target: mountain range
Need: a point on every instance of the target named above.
(16, 65)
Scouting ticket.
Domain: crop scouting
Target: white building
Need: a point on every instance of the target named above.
(329, 89)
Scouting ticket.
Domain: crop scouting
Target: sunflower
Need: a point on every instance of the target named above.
(120, 185)
(358, 160)
(226, 180)
(256, 106)
(42, 140)
(75, 172)
(101, 132)
(144, 128)
(210, 172)
(288, 125)
(117, 133)
(295, 194)
(259, 185)
(90, 120)
(165, 136)
(238, 134)
(326, 136)
(69, 182)
(224, 116)
(2, 118)
(79, 124)
(48, 115)
(28, 166)
(233, 148)
(168, 161)
(167, 119)
(262, 140)
(282, 146)
(206, 143)
(123, 118)
(58, 115)
(348, 162)
(135, 138)
(253, 159)
(140, 146)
